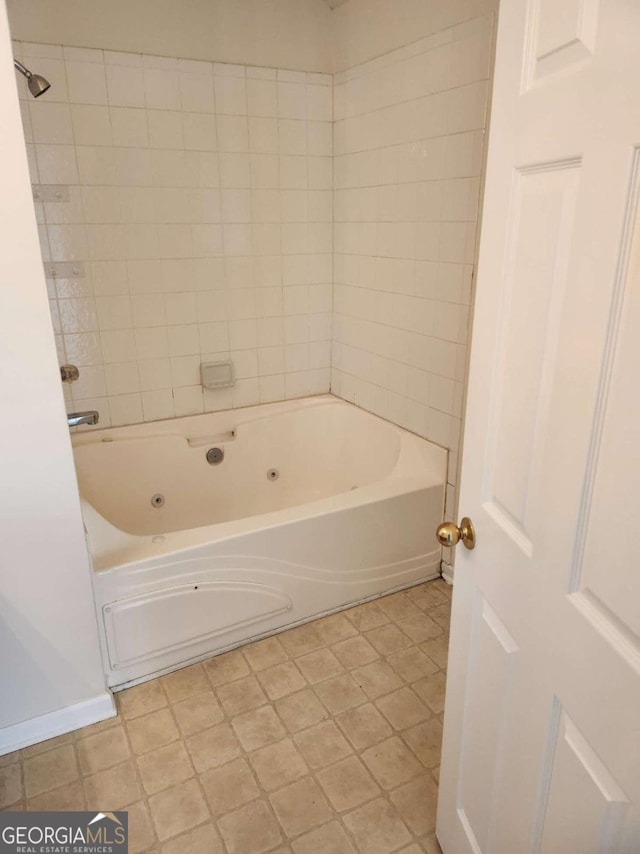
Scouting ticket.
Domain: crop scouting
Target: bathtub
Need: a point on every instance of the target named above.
(211, 530)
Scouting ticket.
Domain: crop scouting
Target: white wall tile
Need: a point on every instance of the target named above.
(233, 133)
(125, 86)
(165, 128)
(262, 98)
(51, 123)
(157, 405)
(86, 82)
(230, 95)
(129, 127)
(188, 401)
(199, 131)
(408, 139)
(196, 87)
(161, 86)
(189, 183)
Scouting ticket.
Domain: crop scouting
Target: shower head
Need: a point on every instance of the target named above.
(37, 84)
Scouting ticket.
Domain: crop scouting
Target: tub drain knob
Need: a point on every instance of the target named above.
(215, 456)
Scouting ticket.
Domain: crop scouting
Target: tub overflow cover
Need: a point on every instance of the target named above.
(215, 456)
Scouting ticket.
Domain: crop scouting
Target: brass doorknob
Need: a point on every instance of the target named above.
(449, 534)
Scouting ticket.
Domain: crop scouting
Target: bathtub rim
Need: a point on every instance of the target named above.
(136, 549)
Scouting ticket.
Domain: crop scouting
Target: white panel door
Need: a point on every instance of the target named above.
(542, 724)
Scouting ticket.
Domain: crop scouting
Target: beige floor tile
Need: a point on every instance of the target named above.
(185, 683)
(164, 767)
(11, 758)
(142, 699)
(250, 830)
(354, 652)
(416, 802)
(328, 839)
(420, 628)
(203, 840)
(335, 628)
(301, 710)
(300, 806)
(430, 845)
(69, 797)
(266, 695)
(48, 744)
(113, 789)
(141, 832)
(367, 616)
(101, 726)
(388, 639)
(364, 726)
(281, 679)
(258, 728)
(403, 709)
(442, 615)
(377, 828)
(301, 640)
(340, 693)
(377, 678)
(432, 690)
(197, 713)
(50, 770)
(322, 744)
(426, 596)
(426, 741)
(264, 654)
(348, 784)
(178, 809)
(319, 665)
(229, 787)
(10, 785)
(152, 731)
(241, 695)
(213, 747)
(435, 773)
(398, 606)
(392, 763)
(437, 650)
(412, 664)
(103, 750)
(444, 587)
(226, 668)
(278, 764)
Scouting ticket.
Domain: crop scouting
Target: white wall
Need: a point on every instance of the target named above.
(292, 34)
(49, 655)
(199, 204)
(364, 29)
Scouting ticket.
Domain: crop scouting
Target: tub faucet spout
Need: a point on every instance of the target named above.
(74, 419)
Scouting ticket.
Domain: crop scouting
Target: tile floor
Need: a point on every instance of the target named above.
(322, 740)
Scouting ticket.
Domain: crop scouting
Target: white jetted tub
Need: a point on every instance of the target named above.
(210, 530)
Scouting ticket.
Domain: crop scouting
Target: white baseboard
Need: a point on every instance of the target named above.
(61, 721)
(447, 572)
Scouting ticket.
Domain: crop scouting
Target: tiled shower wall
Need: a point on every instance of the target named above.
(196, 224)
(408, 146)
(202, 217)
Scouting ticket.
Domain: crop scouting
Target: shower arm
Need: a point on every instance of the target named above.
(22, 69)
